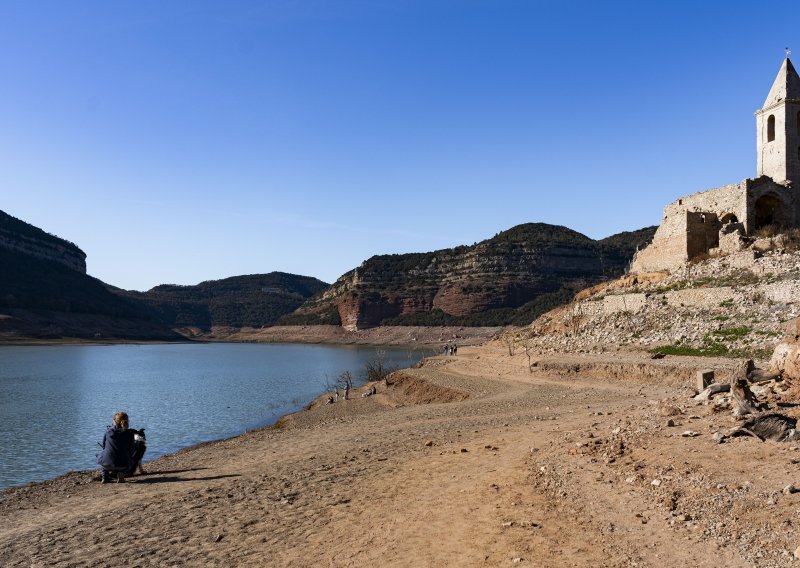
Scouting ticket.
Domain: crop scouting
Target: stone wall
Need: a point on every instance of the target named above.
(699, 297)
(668, 249)
(690, 226)
(787, 292)
(722, 201)
(638, 301)
(623, 303)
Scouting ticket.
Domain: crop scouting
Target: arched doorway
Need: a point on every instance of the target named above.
(769, 210)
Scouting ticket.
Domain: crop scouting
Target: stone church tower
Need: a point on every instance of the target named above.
(727, 219)
(778, 128)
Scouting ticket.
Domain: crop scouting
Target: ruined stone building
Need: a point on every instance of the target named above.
(719, 219)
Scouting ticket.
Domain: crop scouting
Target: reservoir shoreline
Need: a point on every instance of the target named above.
(401, 336)
(181, 393)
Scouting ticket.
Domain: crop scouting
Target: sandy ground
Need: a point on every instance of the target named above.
(386, 335)
(468, 461)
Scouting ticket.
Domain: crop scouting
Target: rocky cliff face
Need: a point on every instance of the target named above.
(18, 236)
(483, 284)
(45, 293)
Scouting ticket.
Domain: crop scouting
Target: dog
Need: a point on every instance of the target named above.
(139, 448)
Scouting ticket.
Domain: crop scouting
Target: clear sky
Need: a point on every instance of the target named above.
(183, 141)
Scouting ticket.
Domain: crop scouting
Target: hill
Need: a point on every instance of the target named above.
(46, 299)
(45, 293)
(254, 300)
(508, 279)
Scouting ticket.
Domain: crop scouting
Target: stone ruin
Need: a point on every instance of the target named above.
(720, 220)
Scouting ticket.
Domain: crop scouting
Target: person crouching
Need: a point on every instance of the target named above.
(118, 448)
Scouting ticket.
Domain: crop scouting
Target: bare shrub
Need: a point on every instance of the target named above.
(792, 242)
(509, 340)
(376, 369)
(531, 362)
(699, 258)
(344, 380)
(768, 231)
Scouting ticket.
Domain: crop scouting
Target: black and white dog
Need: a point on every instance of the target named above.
(139, 448)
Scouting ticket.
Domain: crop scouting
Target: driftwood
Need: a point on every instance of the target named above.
(775, 427)
(715, 388)
(744, 399)
(762, 376)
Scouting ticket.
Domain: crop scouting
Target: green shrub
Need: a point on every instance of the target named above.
(708, 350)
(732, 333)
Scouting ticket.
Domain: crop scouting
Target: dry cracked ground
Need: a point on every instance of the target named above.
(468, 461)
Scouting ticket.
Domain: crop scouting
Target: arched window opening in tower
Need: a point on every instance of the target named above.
(771, 128)
(798, 123)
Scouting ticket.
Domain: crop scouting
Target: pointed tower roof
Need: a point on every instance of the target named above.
(786, 85)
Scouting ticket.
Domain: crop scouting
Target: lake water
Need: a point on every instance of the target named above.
(56, 401)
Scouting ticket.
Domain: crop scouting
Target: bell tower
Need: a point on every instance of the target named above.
(778, 128)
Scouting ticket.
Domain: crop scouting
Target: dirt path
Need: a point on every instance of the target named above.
(530, 469)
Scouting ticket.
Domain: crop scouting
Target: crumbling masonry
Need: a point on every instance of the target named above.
(717, 220)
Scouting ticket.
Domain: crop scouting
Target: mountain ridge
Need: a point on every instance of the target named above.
(509, 278)
(532, 265)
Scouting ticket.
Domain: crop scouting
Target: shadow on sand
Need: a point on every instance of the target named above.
(156, 478)
(168, 471)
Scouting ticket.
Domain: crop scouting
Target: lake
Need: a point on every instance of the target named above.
(56, 401)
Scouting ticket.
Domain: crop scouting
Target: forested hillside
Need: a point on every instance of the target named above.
(254, 300)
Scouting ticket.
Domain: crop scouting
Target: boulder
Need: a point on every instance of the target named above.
(786, 357)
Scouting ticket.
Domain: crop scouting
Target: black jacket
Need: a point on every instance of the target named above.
(117, 454)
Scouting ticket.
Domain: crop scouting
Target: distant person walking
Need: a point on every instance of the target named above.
(347, 392)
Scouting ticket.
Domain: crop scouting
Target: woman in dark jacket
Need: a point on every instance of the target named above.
(118, 448)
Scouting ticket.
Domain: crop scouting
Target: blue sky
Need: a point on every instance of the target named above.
(183, 141)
